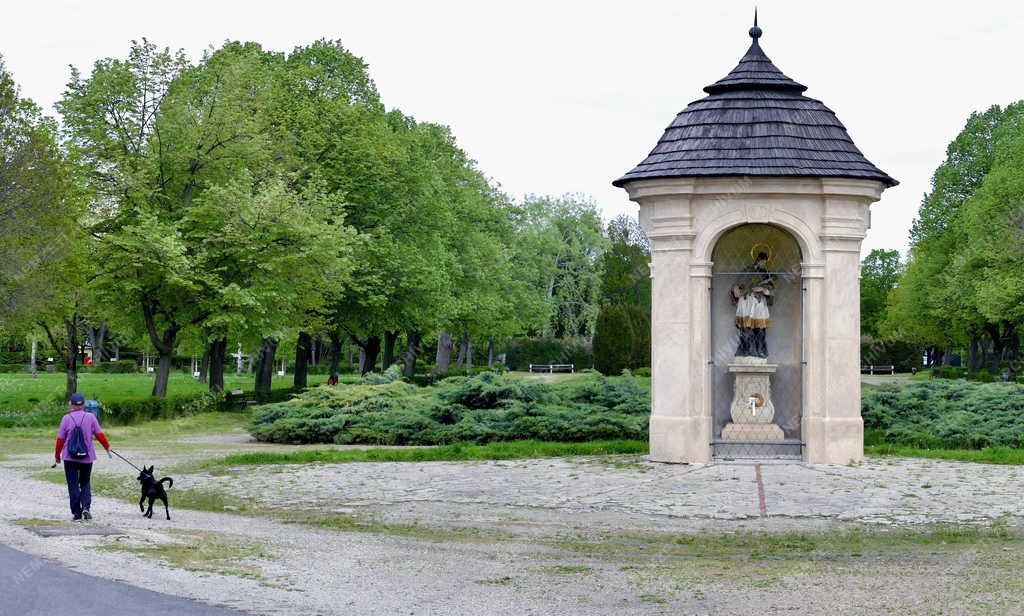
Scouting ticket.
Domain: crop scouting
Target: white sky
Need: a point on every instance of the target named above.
(554, 97)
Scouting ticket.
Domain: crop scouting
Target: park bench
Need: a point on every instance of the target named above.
(873, 369)
(552, 367)
(237, 396)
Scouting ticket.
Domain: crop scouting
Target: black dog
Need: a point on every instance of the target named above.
(153, 490)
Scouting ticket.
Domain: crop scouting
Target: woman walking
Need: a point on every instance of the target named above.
(74, 446)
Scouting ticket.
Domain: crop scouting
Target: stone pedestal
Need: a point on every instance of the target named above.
(752, 409)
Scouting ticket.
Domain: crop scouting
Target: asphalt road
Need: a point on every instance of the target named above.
(31, 586)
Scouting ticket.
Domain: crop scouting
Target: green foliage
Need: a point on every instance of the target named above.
(392, 374)
(947, 414)
(116, 411)
(123, 366)
(905, 356)
(622, 340)
(963, 279)
(38, 211)
(481, 409)
(560, 247)
(879, 273)
(521, 352)
(626, 271)
(948, 372)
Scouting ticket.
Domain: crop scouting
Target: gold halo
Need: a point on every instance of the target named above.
(754, 251)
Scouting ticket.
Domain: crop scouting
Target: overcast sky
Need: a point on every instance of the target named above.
(555, 97)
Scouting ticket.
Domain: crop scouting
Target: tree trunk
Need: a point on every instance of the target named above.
(335, 352)
(71, 356)
(469, 353)
(461, 358)
(265, 367)
(351, 350)
(369, 351)
(204, 364)
(490, 351)
(163, 374)
(947, 357)
(389, 350)
(303, 346)
(974, 354)
(32, 362)
(1014, 349)
(165, 348)
(217, 354)
(97, 339)
(412, 351)
(997, 347)
(67, 349)
(443, 359)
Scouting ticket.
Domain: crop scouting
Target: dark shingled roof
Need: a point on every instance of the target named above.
(756, 121)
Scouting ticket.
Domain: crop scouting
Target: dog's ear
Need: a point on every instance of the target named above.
(150, 469)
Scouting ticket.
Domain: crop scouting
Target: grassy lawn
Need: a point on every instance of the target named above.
(20, 391)
(988, 455)
(507, 450)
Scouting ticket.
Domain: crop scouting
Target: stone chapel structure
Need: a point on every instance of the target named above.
(755, 200)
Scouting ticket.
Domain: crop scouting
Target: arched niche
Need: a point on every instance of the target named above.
(732, 257)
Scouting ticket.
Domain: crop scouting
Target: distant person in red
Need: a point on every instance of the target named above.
(74, 447)
(333, 379)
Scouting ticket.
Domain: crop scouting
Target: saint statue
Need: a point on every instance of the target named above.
(753, 294)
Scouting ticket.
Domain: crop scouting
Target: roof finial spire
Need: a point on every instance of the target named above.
(755, 32)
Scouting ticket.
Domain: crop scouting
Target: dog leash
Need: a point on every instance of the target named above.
(111, 450)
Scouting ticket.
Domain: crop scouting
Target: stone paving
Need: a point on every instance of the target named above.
(628, 489)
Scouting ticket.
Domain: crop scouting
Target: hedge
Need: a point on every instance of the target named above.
(947, 414)
(482, 408)
(521, 352)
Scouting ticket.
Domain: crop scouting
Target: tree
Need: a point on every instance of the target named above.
(42, 247)
(156, 133)
(879, 274)
(626, 272)
(935, 302)
(572, 228)
(622, 339)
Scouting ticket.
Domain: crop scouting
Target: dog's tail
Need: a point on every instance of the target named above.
(170, 482)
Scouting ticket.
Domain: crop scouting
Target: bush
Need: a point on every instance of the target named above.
(904, 356)
(15, 357)
(117, 412)
(481, 408)
(947, 414)
(948, 372)
(622, 339)
(522, 352)
(982, 376)
(123, 366)
(10, 368)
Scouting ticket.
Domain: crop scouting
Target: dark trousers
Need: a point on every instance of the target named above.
(78, 475)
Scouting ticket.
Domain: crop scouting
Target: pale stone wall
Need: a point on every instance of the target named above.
(684, 218)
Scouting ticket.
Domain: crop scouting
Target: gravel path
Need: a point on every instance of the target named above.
(496, 537)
